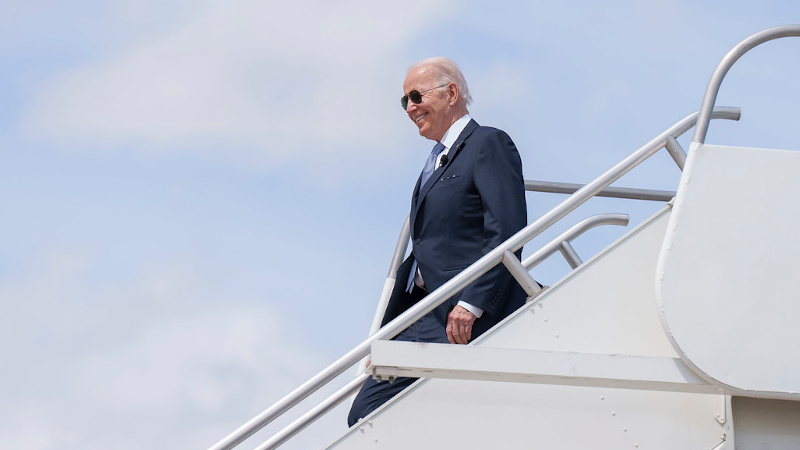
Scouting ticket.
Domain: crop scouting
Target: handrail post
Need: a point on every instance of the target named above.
(570, 254)
(676, 151)
(388, 284)
(397, 259)
(710, 96)
(522, 276)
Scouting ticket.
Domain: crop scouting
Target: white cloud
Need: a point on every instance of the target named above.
(192, 361)
(271, 81)
(88, 363)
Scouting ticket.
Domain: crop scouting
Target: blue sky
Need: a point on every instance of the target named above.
(200, 199)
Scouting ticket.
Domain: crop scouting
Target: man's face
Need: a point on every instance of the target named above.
(433, 116)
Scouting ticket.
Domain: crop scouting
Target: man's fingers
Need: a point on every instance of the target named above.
(464, 335)
(461, 333)
(459, 326)
(454, 333)
(467, 333)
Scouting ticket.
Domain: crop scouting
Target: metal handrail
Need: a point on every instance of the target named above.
(467, 276)
(710, 96)
(522, 274)
(530, 185)
(568, 236)
(554, 187)
(326, 405)
(311, 416)
(388, 284)
(397, 259)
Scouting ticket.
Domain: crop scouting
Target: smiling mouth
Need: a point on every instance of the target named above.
(420, 118)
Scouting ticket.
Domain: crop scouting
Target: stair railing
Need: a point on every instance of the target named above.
(339, 396)
(468, 275)
(530, 185)
(712, 89)
(612, 192)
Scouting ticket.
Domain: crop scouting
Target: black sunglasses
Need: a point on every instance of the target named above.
(416, 96)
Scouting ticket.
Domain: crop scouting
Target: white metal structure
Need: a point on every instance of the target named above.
(589, 354)
(680, 335)
(747, 282)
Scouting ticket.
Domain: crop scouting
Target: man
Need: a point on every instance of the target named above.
(469, 198)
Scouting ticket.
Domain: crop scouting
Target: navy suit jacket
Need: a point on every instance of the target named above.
(468, 206)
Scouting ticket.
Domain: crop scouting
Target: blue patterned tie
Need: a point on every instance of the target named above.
(430, 166)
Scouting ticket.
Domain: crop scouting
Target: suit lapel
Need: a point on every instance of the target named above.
(451, 156)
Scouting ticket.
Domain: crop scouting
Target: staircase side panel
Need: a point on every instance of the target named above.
(728, 283)
(606, 306)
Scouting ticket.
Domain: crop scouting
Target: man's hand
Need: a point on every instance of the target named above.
(459, 325)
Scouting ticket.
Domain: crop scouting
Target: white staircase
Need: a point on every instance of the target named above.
(582, 392)
(683, 334)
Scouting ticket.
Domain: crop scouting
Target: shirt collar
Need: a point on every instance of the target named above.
(454, 131)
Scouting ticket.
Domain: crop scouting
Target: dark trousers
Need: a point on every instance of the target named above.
(373, 394)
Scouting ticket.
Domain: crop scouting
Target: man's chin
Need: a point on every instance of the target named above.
(424, 133)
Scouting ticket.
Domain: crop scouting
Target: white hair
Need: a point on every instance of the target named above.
(445, 70)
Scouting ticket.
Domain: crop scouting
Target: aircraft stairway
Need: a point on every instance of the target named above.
(588, 354)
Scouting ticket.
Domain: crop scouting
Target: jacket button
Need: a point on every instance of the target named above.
(416, 241)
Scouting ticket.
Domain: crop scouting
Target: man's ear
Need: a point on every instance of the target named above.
(452, 93)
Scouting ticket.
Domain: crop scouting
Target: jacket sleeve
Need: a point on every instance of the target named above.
(498, 179)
